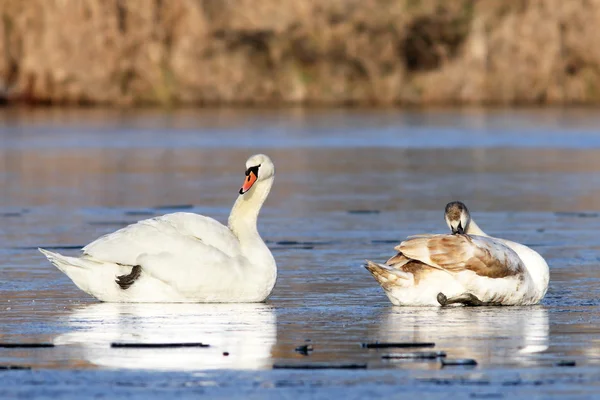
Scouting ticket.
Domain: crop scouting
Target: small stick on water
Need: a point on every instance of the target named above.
(14, 367)
(10, 214)
(135, 213)
(415, 355)
(25, 345)
(174, 207)
(451, 362)
(156, 345)
(566, 363)
(402, 345)
(304, 349)
(319, 366)
(385, 241)
(287, 243)
(52, 247)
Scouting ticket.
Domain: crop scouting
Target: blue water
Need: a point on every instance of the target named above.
(349, 186)
(260, 129)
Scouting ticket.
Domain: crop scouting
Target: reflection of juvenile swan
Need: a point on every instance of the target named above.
(246, 331)
(497, 335)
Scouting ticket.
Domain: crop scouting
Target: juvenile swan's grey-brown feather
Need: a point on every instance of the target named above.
(455, 253)
(387, 276)
(397, 261)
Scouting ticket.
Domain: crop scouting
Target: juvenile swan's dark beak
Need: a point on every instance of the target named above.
(459, 230)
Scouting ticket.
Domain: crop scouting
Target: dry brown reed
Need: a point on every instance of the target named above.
(375, 52)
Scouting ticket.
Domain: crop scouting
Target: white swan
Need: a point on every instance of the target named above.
(467, 267)
(183, 257)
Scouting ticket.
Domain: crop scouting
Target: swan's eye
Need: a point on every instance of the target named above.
(253, 169)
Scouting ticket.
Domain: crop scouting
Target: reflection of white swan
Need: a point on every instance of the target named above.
(246, 331)
(491, 335)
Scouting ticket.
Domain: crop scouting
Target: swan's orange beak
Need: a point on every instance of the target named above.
(250, 179)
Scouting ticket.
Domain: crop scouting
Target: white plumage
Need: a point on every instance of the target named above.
(183, 257)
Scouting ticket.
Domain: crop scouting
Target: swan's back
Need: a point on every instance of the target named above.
(169, 233)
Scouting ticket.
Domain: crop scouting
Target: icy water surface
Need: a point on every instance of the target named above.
(349, 186)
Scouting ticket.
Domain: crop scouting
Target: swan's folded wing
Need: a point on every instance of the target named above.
(397, 261)
(417, 236)
(196, 269)
(179, 233)
(455, 253)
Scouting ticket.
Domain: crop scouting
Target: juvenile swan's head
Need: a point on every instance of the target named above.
(457, 217)
(258, 168)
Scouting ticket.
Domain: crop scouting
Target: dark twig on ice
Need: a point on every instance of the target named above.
(25, 345)
(304, 349)
(402, 345)
(415, 355)
(452, 362)
(14, 367)
(156, 345)
(319, 366)
(566, 363)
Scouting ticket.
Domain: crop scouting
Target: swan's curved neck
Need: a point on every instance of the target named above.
(474, 229)
(244, 214)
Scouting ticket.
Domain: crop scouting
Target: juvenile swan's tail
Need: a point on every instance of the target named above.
(389, 277)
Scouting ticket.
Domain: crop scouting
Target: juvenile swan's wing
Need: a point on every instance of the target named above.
(455, 253)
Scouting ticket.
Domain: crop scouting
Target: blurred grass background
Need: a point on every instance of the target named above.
(308, 52)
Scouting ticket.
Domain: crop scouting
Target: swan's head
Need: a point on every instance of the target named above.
(457, 217)
(258, 168)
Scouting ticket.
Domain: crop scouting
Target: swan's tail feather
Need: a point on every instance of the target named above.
(85, 272)
(389, 277)
(64, 262)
